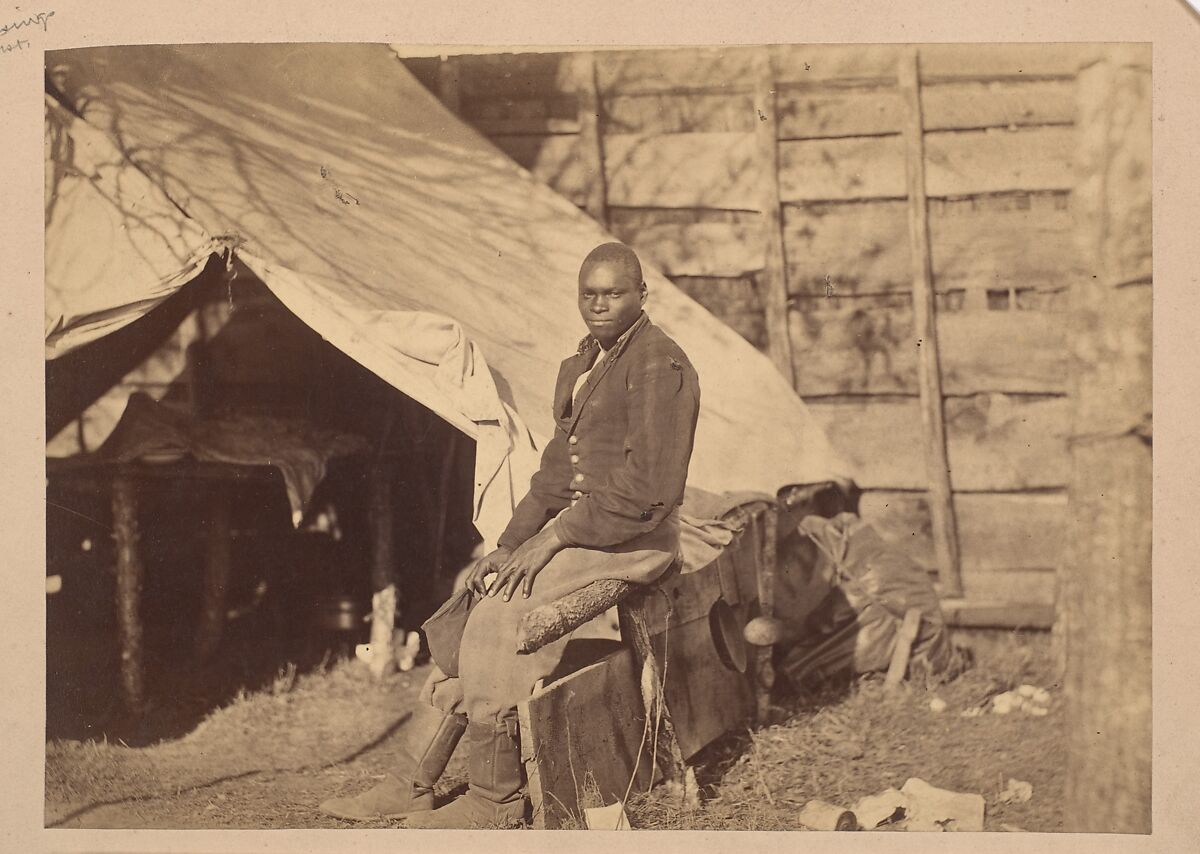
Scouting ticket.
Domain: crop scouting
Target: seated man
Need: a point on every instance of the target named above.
(603, 505)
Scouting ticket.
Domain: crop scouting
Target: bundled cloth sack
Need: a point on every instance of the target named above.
(874, 584)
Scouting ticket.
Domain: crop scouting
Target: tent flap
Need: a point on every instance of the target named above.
(391, 228)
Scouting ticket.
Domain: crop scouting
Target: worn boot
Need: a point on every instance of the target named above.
(494, 798)
(430, 737)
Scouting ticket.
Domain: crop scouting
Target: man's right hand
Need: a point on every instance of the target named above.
(485, 566)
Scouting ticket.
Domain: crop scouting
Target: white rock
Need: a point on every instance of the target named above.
(1027, 690)
(874, 810)
(1038, 711)
(931, 808)
(937, 705)
(1041, 697)
(1017, 792)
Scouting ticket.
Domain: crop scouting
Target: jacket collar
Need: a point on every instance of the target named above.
(589, 351)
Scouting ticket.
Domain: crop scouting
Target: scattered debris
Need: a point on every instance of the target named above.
(887, 807)
(821, 815)
(937, 705)
(933, 809)
(611, 817)
(1026, 698)
(1018, 792)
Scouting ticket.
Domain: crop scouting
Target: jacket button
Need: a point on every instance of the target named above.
(579, 478)
(573, 439)
(578, 495)
(646, 516)
(575, 459)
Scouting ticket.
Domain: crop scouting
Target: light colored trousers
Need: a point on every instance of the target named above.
(493, 678)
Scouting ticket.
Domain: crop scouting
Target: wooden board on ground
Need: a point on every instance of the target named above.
(1020, 240)
(996, 442)
(697, 245)
(866, 345)
(581, 734)
(957, 163)
(682, 170)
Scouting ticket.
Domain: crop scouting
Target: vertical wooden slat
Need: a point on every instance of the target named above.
(383, 569)
(773, 283)
(929, 379)
(447, 83)
(591, 147)
(216, 571)
(1107, 577)
(129, 591)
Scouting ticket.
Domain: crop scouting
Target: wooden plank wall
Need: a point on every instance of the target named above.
(682, 181)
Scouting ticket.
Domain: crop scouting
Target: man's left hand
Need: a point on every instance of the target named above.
(526, 562)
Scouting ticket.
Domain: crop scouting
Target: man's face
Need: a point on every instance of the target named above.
(609, 301)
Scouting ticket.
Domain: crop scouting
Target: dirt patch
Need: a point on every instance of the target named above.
(267, 758)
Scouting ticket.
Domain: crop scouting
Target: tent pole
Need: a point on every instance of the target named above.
(216, 572)
(129, 591)
(929, 378)
(383, 569)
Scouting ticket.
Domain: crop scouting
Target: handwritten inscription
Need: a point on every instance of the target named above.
(19, 44)
(41, 19)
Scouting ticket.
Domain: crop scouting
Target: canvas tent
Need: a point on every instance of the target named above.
(395, 231)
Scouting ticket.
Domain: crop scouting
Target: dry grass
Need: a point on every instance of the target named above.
(268, 757)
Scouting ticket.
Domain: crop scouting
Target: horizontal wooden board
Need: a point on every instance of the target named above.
(995, 442)
(683, 170)
(555, 160)
(1019, 240)
(850, 168)
(670, 112)
(1026, 586)
(807, 65)
(957, 163)
(703, 248)
(1001, 61)
(514, 75)
(999, 103)
(867, 346)
(736, 302)
(969, 613)
(667, 70)
(849, 248)
(807, 114)
(996, 531)
(543, 114)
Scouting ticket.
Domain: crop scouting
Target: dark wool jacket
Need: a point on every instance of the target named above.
(618, 460)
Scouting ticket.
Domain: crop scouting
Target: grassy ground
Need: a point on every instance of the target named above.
(267, 758)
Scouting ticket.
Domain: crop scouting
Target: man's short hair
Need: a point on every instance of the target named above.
(617, 255)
